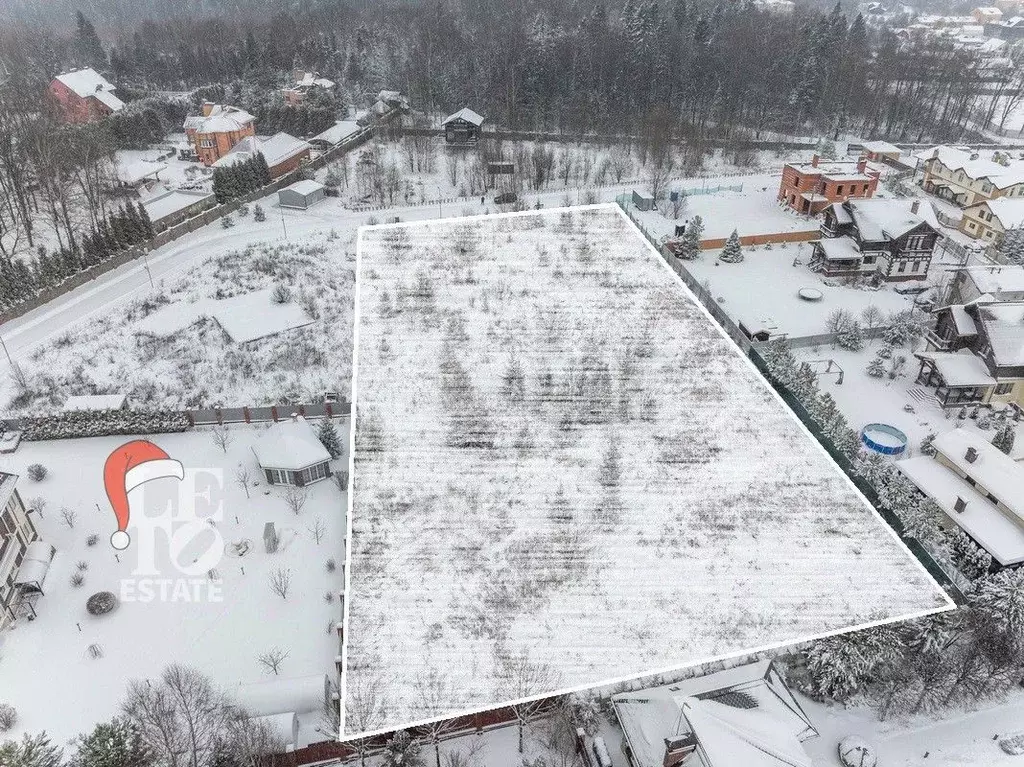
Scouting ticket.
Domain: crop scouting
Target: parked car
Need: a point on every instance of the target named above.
(506, 198)
(331, 397)
(912, 290)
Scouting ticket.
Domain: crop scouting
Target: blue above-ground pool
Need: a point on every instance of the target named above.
(883, 438)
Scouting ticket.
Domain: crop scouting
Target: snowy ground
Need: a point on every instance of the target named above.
(182, 345)
(763, 290)
(177, 174)
(220, 638)
(610, 351)
(754, 210)
(910, 407)
(959, 738)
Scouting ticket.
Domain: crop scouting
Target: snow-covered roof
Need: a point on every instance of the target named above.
(1004, 328)
(964, 322)
(223, 118)
(276, 149)
(996, 280)
(169, 202)
(997, 533)
(290, 445)
(959, 368)
(881, 147)
(95, 402)
(134, 171)
(304, 187)
(466, 114)
(957, 159)
(88, 82)
(310, 79)
(836, 170)
(650, 716)
(35, 564)
(842, 214)
(992, 469)
(752, 737)
(840, 249)
(283, 695)
(1010, 212)
(881, 219)
(338, 132)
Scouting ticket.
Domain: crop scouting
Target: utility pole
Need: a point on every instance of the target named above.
(284, 226)
(145, 261)
(7, 353)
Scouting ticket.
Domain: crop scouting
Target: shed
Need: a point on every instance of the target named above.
(291, 454)
(643, 201)
(463, 127)
(301, 194)
(283, 727)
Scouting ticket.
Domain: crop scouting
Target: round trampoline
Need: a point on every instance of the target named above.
(810, 294)
(883, 438)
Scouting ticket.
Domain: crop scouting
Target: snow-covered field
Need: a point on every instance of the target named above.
(221, 638)
(763, 290)
(541, 408)
(211, 336)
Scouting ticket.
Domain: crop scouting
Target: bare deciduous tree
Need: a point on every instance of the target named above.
(222, 437)
(295, 497)
(68, 516)
(318, 529)
(272, 659)
(280, 582)
(243, 478)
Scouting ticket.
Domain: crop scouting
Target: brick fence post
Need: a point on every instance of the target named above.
(273, 413)
(245, 413)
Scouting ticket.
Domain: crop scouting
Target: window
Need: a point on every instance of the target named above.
(839, 189)
(1003, 388)
(206, 143)
(902, 267)
(915, 266)
(971, 225)
(869, 259)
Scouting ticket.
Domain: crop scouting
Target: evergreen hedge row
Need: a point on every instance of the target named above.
(102, 423)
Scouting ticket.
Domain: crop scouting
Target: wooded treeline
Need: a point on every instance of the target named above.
(715, 67)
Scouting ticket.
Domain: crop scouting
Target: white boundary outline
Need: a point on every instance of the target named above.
(342, 736)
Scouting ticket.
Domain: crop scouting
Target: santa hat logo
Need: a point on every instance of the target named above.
(132, 464)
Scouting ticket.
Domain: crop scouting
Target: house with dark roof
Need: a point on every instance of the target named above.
(84, 96)
(892, 240)
(744, 715)
(975, 354)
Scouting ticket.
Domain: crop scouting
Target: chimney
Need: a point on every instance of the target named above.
(814, 160)
(935, 153)
(915, 206)
(971, 455)
(960, 506)
(862, 164)
(207, 108)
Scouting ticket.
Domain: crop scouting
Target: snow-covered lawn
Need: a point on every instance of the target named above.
(754, 210)
(956, 738)
(900, 402)
(221, 638)
(763, 290)
(212, 335)
(565, 474)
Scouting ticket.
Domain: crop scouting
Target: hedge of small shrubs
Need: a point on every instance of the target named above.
(102, 423)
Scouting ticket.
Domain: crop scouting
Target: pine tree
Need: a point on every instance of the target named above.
(970, 559)
(842, 665)
(113, 744)
(1004, 437)
(264, 169)
(876, 368)
(90, 49)
(692, 236)
(147, 224)
(851, 338)
(926, 447)
(732, 253)
(258, 213)
(30, 751)
(328, 437)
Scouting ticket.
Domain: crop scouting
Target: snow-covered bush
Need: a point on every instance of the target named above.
(227, 222)
(970, 559)
(37, 472)
(281, 294)
(258, 213)
(77, 579)
(926, 447)
(8, 717)
(851, 337)
(1004, 437)
(876, 368)
(101, 603)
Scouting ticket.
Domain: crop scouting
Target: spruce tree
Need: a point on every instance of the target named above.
(147, 225)
(732, 253)
(328, 436)
(264, 174)
(692, 236)
(1004, 437)
(89, 48)
(117, 743)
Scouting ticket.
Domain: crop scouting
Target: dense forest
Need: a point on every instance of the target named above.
(714, 68)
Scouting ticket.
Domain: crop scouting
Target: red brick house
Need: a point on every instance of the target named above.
(810, 187)
(217, 130)
(283, 152)
(84, 96)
